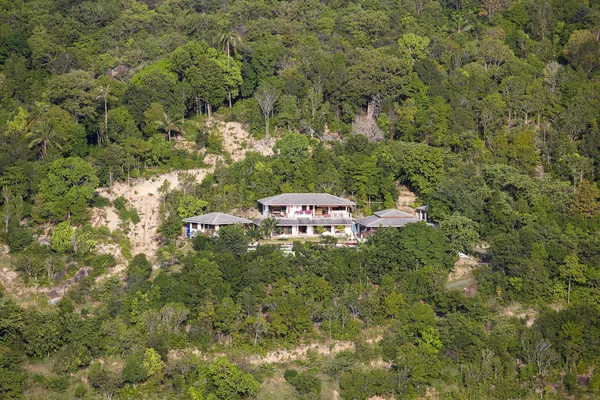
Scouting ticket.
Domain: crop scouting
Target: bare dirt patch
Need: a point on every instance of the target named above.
(301, 352)
(516, 310)
(143, 195)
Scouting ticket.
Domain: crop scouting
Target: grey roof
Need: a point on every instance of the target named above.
(299, 199)
(393, 213)
(387, 218)
(216, 218)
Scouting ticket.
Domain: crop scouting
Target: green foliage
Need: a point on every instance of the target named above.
(231, 239)
(152, 362)
(18, 237)
(138, 271)
(190, 206)
(489, 114)
(67, 190)
(62, 238)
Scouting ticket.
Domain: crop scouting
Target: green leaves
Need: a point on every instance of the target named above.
(66, 191)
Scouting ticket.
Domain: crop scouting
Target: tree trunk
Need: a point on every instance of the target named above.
(267, 126)
(209, 110)
(105, 114)
(229, 93)
(228, 55)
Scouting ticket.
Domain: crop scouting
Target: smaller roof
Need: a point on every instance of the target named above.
(216, 218)
(392, 213)
(387, 218)
(300, 199)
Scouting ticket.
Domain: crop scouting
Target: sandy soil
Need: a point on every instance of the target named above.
(143, 194)
(301, 352)
(237, 141)
(405, 200)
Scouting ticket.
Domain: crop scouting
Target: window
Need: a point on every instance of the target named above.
(302, 229)
(286, 230)
(194, 226)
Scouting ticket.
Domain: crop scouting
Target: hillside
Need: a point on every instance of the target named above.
(120, 118)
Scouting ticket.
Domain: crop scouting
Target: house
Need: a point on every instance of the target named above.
(210, 223)
(308, 214)
(386, 218)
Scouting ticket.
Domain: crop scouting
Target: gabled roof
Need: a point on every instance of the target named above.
(300, 199)
(392, 213)
(387, 218)
(216, 218)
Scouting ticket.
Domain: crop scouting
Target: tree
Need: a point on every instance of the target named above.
(152, 362)
(266, 96)
(103, 93)
(62, 238)
(231, 239)
(587, 199)
(44, 134)
(461, 232)
(167, 125)
(228, 41)
(66, 191)
(583, 50)
(229, 380)
(572, 270)
(190, 206)
(268, 226)
(138, 271)
(104, 379)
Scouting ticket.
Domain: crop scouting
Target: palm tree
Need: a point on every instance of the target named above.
(460, 25)
(268, 226)
(44, 134)
(254, 233)
(167, 125)
(228, 41)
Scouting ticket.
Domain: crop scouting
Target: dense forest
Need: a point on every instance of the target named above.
(484, 109)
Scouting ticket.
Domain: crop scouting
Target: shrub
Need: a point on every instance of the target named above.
(290, 374)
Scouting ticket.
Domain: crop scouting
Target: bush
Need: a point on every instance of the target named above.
(290, 374)
(71, 357)
(201, 138)
(306, 383)
(18, 237)
(100, 201)
(100, 263)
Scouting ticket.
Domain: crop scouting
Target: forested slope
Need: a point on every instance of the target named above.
(487, 110)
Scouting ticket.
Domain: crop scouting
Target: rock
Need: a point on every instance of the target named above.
(81, 274)
(54, 301)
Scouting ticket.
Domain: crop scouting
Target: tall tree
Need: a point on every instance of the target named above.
(44, 134)
(266, 96)
(229, 41)
(168, 125)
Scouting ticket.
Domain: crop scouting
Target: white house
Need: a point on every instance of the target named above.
(308, 214)
(210, 223)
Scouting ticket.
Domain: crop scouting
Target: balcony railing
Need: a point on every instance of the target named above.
(311, 214)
